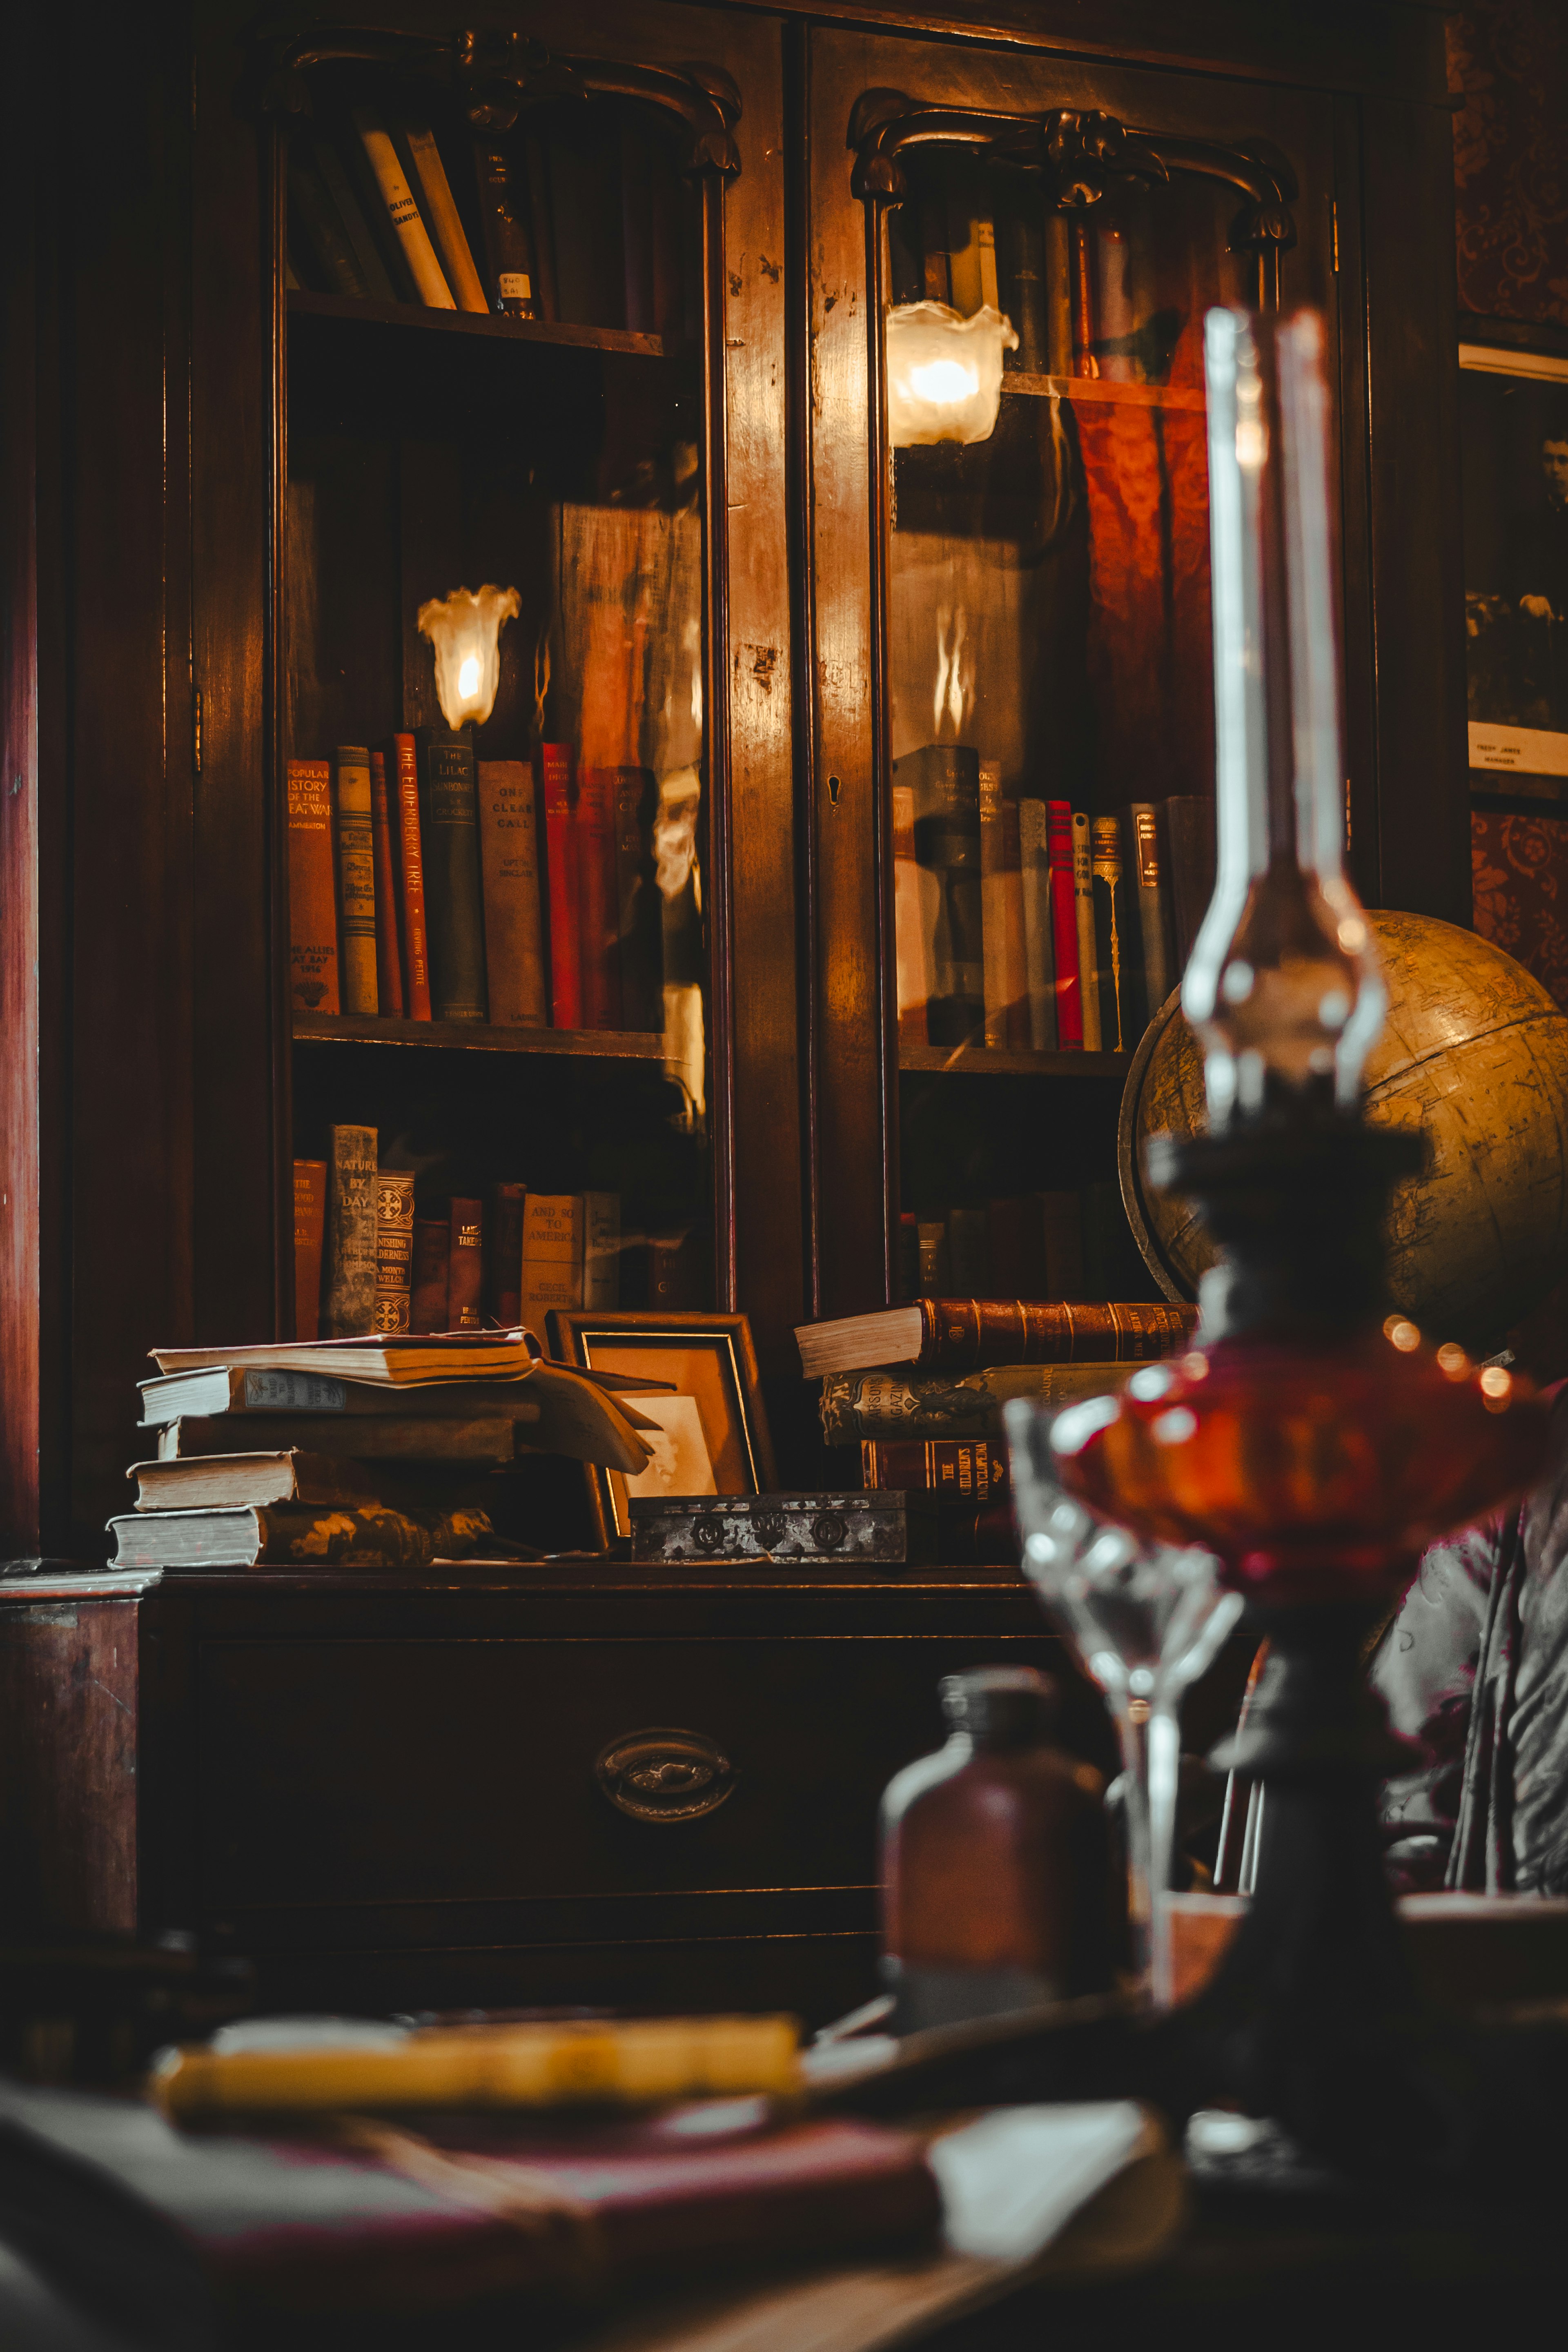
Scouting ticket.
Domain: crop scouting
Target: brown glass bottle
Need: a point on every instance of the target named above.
(994, 1861)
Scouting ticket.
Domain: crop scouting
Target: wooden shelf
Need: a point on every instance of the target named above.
(1096, 388)
(478, 1037)
(1001, 1061)
(469, 322)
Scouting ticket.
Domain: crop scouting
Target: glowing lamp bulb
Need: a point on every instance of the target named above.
(465, 630)
(943, 380)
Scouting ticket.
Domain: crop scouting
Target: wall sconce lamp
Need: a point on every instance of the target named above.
(465, 630)
(944, 372)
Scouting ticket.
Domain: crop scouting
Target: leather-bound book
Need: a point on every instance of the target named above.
(503, 1257)
(309, 1237)
(403, 759)
(503, 227)
(509, 862)
(313, 890)
(641, 914)
(598, 897)
(1039, 964)
(966, 1335)
(466, 1266)
(356, 878)
(449, 837)
(561, 859)
(351, 1233)
(1083, 912)
(1117, 943)
(958, 1469)
(432, 1249)
(394, 1248)
(296, 1535)
(945, 780)
(1067, 982)
(1153, 908)
(388, 959)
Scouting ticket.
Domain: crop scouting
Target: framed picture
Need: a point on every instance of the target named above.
(1514, 429)
(712, 1435)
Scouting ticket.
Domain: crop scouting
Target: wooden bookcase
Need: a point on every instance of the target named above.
(158, 385)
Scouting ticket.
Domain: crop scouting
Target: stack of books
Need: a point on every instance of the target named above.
(417, 891)
(920, 1390)
(381, 1452)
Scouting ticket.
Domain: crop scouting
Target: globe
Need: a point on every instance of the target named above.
(1475, 1052)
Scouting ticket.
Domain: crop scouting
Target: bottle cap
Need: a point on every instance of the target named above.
(1000, 1707)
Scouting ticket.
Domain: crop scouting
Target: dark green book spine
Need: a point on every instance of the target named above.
(454, 908)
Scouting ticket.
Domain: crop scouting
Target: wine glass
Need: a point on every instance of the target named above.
(1145, 1619)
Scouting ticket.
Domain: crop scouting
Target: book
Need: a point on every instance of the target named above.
(908, 1254)
(893, 1402)
(1159, 974)
(1017, 1247)
(1083, 915)
(1063, 925)
(356, 166)
(314, 226)
(388, 960)
(228, 1481)
(356, 878)
(385, 1359)
(309, 1239)
(640, 912)
(378, 287)
(551, 1255)
(601, 1249)
(504, 227)
(1117, 944)
(466, 1266)
(401, 210)
(403, 756)
(598, 909)
(295, 1534)
(313, 890)
(442, 217)
(963, 1335)
(509, 870)
(349, 1306)
(1027, 307)
(1059, 294)
(945, 779)
(450, 840)
(914, 919)
(503, 1257)
(1039, 964)
(1061, 1224)
(956, 1468)
(969, 1250)
(394, 1248)
(1002, 913)
(367, 1436)
(430, 1275)
(935, 1270)
(561, 856)
(1190, 839)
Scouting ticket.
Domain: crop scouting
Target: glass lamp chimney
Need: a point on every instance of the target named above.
(465, 630)
(1283, 986)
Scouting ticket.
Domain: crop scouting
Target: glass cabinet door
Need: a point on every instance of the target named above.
(1024, 813)
(503, 310)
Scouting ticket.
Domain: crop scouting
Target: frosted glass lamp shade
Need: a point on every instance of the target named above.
(944, 372)
(465, 630)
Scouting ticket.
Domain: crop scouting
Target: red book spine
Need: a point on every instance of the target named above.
(598, 897)
(561, 855)
(465, 1267)
(388, 962)
(411, 897)
(966, 1470)
(1064, 923)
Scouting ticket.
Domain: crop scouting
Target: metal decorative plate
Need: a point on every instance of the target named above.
(888, 1530)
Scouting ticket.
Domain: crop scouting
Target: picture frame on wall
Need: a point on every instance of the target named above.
(712, 1427)
(1513, 433)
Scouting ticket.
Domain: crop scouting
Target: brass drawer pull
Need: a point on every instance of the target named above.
(664, 1776)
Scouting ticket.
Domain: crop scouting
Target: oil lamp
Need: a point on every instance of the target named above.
(465, 630)
(1312, 1445)
(944, 372)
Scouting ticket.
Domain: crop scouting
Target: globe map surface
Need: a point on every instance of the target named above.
(1475, 1052)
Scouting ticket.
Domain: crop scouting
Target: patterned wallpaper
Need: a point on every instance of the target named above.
(1519, 866)
(1509, 61)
